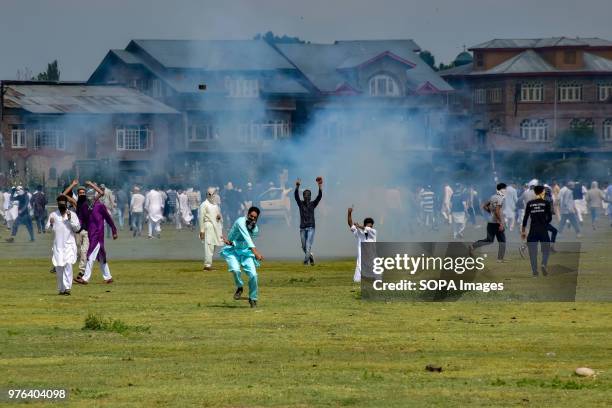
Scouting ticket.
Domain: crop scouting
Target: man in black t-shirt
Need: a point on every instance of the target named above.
(540, 212)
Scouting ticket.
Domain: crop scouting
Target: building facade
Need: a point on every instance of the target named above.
(549, 94)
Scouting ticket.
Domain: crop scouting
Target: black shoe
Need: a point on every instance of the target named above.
(238, 294)
(311, 259)
(253, 303)
(11, 239)
(544, 270)
(52, 270)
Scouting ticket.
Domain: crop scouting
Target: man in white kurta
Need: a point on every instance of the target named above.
(362, 233)
(154, 205)
(65, 224)
(185, 215)
(211, 227)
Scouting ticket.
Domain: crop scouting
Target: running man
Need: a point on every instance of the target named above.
(240, 251)
(495, 226)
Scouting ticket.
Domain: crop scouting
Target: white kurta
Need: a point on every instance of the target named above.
(209, 225)
(184, 209)
(154, 204)
(64, 242)
(361, 235)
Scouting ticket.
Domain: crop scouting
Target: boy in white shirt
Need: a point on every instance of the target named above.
(362, 233)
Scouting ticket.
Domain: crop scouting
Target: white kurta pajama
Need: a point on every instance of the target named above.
(64, 246)
(212, 228)
(185, 215)
(367, 234)
(154, 205)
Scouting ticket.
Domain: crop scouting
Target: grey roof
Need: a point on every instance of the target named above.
(523, 43)
(81, 98)
(526, 62)
(594, 62)
(221, 55)
(530, 62)
(323, 64)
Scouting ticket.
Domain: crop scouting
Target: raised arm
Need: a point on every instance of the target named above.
(349, 218)
(320, 194)
(95, 187)
(68, 191)
(296, 191)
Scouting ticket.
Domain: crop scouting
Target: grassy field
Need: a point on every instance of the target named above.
(182, 341)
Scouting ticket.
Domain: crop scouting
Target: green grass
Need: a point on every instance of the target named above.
(167, 334)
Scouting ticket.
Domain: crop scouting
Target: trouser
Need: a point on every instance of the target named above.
(594, 214)
(307, 238)
(571, 217)
(532, 244)
(458, 223)
(248, 265)
(492, 233)
(194, 220)
(40, 221)
(580, 208)
(154, 226)
(120, 217)
(25, 220)
(471, 215)
(89, 267)
(428, 218)
(208, 243)
(137, 223)
(357, 275)
(82, 239)
(109, 231)
(63, 275)
(553, 233)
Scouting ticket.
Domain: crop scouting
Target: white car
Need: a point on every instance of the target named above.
(275, 203)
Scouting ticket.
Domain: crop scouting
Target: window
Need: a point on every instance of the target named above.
(257, 132)
(242, 87)
(607, 130)
(479, 59)
(570, 92)
(578, 123)
(532, 92)
(569, 57)
(604, 91)
(157, 88)
(18, 137)
(383, 85)
(495, 126)
(534, 130)
(203, 132)
(49, 137)
(133, 137)
(494, 95)
(480, 96)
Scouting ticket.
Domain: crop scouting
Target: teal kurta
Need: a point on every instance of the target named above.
(240, 255)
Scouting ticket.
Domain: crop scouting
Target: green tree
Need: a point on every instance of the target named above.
(271, 38)
(581, 136)
(51, 74)
(428, 58)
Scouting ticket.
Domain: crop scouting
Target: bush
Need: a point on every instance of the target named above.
(99, 323)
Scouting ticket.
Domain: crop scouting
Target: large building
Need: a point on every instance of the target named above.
(89, 131)
(548, 94)
(248, 97)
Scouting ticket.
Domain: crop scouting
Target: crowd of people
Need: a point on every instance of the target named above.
(88, 213)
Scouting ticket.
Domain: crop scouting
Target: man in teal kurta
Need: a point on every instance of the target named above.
(239, 251)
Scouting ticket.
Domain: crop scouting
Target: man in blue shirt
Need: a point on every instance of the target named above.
(240, 251)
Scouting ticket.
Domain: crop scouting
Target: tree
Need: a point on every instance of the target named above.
(428, 58)
(51, 74)
(580, 136)
(271, 38)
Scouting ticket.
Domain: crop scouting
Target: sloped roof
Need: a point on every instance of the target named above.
(525, 62)
(322, 64)
(530, 62)
(523, 43)
(215, 55)
(81, 98)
